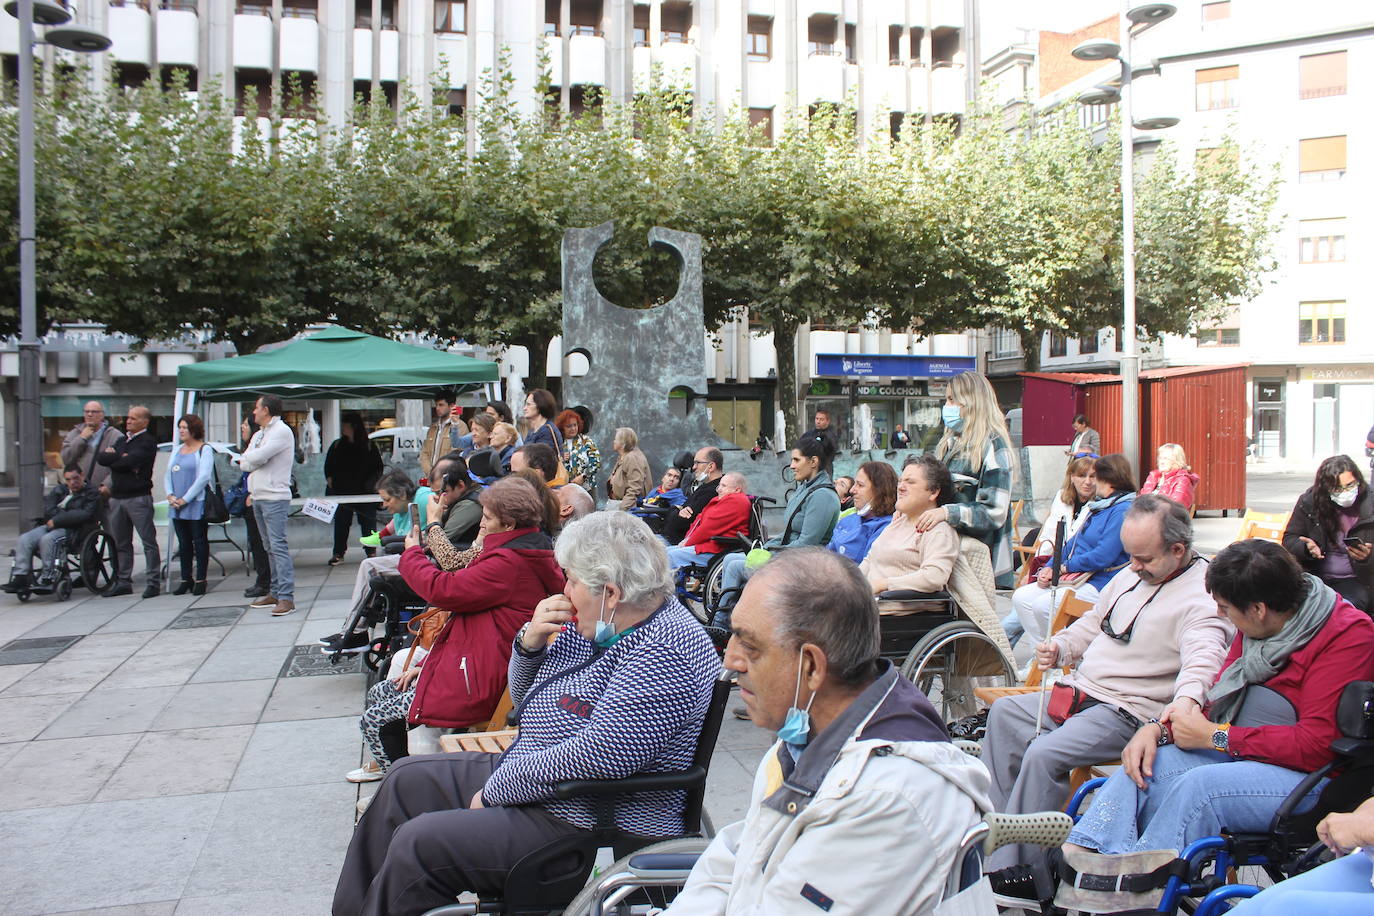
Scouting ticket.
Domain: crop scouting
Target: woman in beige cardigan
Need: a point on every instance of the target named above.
(630, 479)
(903, 556)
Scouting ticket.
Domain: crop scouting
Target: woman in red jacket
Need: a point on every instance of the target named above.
(1270, 717)
(460, 681)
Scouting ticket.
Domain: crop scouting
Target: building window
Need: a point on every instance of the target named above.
(1091, 117)
(821, 33)
(761, 119)
(451, 16)
(1005, 343)
(677, 21)
(1321, 75)
(759, 45)
(1216, 88)
(1087, 344)
(1218, 337)
(1212, 156)
(300, 9)
(1321, 241)
(851, 43)
(1059, 345)
(1321, 159)
(584, 18)
(457, 102)
(1216, 11)
(1321, 322)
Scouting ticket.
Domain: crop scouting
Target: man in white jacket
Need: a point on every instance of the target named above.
(861, 805)
(268, 460)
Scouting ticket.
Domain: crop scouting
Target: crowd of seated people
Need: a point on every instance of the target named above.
(873, 493)
(905, 557)
(725, 515)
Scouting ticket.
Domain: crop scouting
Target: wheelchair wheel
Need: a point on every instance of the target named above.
(98, 561)
(950, 661)
(640, 901)
(23, 595)
(64, 589)
(711, 591)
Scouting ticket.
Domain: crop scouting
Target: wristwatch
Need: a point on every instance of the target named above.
(1221, 738)
(520, 643)
(1165, 735)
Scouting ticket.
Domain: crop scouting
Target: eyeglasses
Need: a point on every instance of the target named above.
(1125, 636)
(1353, 487)
(695, 463)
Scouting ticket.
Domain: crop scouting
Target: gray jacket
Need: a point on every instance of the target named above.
(82, 451)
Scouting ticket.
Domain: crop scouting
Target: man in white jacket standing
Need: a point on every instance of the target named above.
(268, 460)
(861, 805)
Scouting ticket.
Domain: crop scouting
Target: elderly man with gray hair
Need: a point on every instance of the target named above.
(862, 765)
(727, 513)
(624, 689)
(1153, 643)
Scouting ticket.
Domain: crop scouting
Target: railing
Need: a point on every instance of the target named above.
(253, 9)
(678, 38)
(821, 49)
(588, 30)
(1321, 92)
(185, 6)
(299, 12)
(140, 4)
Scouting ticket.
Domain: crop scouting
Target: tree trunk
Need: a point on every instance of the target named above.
(1030, 348)
(537, 345)
(785, 354)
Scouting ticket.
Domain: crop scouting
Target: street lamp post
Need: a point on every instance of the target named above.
(30, 415)
(1136, 20)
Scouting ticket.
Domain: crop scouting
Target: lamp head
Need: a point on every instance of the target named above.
(1097, 49)
(1150, 13)
(77, 38)
(1160, 123)
(1100, 95)
(45, 12)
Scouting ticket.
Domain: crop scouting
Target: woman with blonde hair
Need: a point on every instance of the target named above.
(976, 447)
(630, 479)
(1172, 477)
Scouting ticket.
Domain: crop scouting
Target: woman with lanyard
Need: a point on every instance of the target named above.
(976, 447)
(188, 473)
(1091, 557)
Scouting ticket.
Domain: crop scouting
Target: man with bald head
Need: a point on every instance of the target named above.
(573, 503)
(130, 463)
(726, 514)
(87, 440)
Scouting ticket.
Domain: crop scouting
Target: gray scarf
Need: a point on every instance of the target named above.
(1261, 659)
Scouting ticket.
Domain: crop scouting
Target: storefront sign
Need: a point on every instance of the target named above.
(892, 364)
(1340, 373)
(890, 391)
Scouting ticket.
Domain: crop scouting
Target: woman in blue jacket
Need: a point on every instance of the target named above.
(189, 471)
(875, 495)
(1092, 556)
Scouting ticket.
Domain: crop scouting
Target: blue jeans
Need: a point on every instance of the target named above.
(1341, 886)
(679, 557)
(1011, 624)
(271, 517)
(47, 542)
(1188, 798)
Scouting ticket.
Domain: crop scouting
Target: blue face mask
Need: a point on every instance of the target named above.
(606, 636)
(796, 728)
(953, 418)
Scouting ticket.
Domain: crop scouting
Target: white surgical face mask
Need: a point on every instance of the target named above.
(1345, 499)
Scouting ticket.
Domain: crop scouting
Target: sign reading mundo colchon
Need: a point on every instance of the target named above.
(894, 365)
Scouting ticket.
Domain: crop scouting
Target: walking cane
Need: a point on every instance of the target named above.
(1055, 563)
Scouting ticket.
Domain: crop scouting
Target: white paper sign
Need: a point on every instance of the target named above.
(321, 509)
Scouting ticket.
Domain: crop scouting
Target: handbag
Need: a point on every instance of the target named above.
(236, 498)
(426, 628)
(215, 511)
(1067, 700)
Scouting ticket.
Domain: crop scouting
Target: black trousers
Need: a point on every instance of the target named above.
(343, 515)
(262, 566)
(193, 541)
(1354, 591)
(419, 845)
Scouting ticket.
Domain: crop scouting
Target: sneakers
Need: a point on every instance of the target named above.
(369, 772)
(363, 802)
(371, 540)
(283, 608)
(20, 583)
(1014, 881)
(255, 591)
(264, 602)
(352, 644)
(335, 560)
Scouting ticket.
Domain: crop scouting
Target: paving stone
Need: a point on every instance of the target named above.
(11, 674)
(110, 712)
(121, 853)
(22, 718)
(32, 838)
(299, 753)
(36, 650)
(109, 645)
(68, 673)
(276, 840)
(213, 616)
(160, 908)
(205, 705)
(66, 771)
(83, 619)
(241, 664)
(190, 761)
(287, 902)
(150, 619)
(243, 636)
(156, 669)
(309, 661)
(727, 788)
(315, 698)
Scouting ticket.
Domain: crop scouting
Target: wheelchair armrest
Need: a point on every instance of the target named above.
(731, 541)
(1353, 747)
(765, 499)
(644, 782)
(1299, 794)
(907, 594)
(663, 864)
(1092, 785)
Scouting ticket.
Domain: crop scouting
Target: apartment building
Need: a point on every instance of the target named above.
(1293, 91)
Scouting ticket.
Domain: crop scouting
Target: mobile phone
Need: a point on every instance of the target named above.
(415, 522)
(1352, 542)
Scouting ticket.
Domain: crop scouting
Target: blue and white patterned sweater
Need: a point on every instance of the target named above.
(591, 714)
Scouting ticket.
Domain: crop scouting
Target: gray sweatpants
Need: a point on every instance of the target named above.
(1032, 774)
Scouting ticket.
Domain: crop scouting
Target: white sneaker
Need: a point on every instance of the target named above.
(363, 802)
(367, 773)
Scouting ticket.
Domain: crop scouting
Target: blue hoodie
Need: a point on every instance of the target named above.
(1096, 546)
(855, 534)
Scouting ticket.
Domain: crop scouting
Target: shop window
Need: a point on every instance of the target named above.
(1321, 322)
(1216, 88)
(1321, 159)
(759, 41)
(1321, 241)
(1321, 75)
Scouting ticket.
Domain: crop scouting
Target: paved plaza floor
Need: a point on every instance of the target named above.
(185, 755)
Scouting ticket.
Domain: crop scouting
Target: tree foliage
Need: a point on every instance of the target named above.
(162, 212)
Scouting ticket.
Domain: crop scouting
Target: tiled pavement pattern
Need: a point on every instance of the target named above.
(181, 755)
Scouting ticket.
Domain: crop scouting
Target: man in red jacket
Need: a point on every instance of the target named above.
(726, 514)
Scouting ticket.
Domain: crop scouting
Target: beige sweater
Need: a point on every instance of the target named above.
(908, 558)
(1176, 648)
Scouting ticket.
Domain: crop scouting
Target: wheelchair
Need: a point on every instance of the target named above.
(667, 865)
(545, 880)
(88, 561)
(1198, 880)
(699, 585)
(390, 604)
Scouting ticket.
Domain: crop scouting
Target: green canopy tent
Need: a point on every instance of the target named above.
(334, 363)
